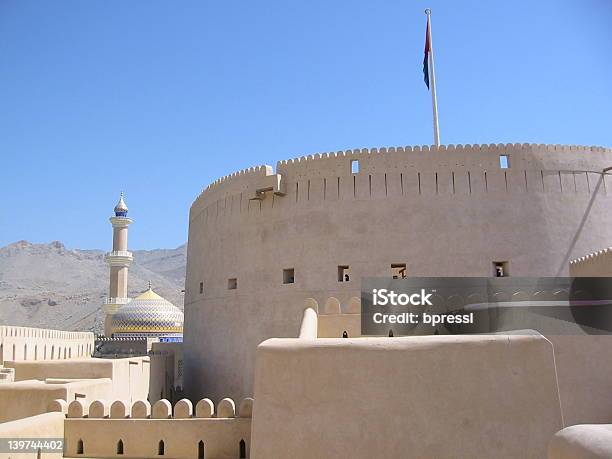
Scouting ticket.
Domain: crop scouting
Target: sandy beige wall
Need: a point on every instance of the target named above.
(333, 325)
(130, 377)
(450, 212)
(584, 369)
(444, 397)
(36, 344)
(28, 398)
(141, 437)
(591, 441)
(598, 264)
(49, 425)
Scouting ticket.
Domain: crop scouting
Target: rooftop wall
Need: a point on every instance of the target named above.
(485, 396)
(22, 399)
(130, 377)
(33, 344)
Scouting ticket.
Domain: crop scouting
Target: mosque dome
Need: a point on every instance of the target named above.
(148, 315)
(121, 209)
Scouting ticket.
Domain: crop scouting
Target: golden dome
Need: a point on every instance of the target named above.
(148, 315)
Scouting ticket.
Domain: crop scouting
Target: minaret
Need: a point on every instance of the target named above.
(119, 260)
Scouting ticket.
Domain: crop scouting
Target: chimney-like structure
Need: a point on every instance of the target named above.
(119, 260)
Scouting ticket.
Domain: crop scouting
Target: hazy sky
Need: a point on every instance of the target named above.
(158, 99)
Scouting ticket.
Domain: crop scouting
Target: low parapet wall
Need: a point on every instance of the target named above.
(29, 398)
(36, 344)
(437, 396)
(590, 441)
(103, 429)
(130, 377)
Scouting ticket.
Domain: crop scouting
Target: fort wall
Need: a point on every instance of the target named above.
(97, 431)
(36, 344)
(129, 378)
(448, 211)
(29, 398)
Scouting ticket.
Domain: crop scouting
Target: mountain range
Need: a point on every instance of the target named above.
(51, 286)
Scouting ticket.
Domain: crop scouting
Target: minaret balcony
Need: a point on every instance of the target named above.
(119, 221)
(119, 258)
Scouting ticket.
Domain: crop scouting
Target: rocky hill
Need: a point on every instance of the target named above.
(51, 286)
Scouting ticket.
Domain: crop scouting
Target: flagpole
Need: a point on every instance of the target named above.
(432, 71)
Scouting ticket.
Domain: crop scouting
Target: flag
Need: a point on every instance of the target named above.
(426, 58)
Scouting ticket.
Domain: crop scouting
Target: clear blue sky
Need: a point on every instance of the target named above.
(160, 98)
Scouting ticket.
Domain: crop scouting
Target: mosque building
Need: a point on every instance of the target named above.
(146, 316)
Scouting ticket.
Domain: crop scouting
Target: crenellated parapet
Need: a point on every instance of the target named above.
(31, 332)
(162, 409)
(104, 429)
(388, 172)
(596, 264)
(35, 344)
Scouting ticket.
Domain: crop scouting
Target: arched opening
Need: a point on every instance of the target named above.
(201, 450)
(25, 352)
(161, 448)
(64, 353)
(14, 353)
(52, 352)
(120, 447)
(45, 352)
(242, 449)
(36, 352)
(70, 353)
(80, 446)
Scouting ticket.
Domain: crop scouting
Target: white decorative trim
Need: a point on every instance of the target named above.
(119, 258)
(120, 222)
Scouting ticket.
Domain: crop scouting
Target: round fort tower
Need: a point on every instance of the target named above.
(262, 241)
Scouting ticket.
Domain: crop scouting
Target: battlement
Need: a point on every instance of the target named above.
(119, 429)
(405, 170)
(595, 264)
(593, 257)
(506, 148)
(31, 332)
(106, 339)
(28, 343)
(162, 409)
